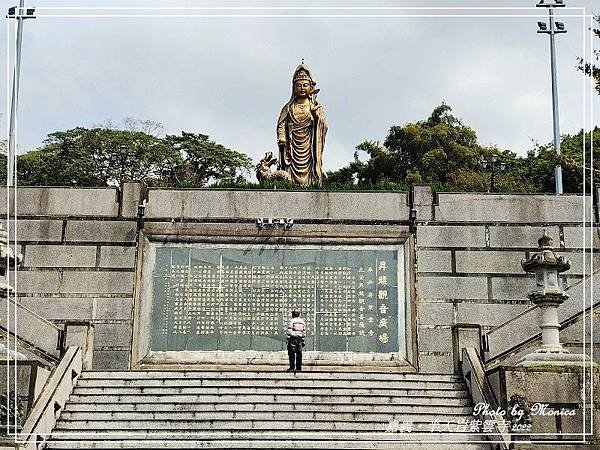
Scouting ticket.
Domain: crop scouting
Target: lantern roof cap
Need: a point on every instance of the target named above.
(545, 258)
(545, 241)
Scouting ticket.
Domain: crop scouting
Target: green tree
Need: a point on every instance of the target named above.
(444, 152)
(206, 161)
(541, 162)
(107, 155)
(434, 148)
(95, 157)
(592, 68)
(440, 150)
(3, 151)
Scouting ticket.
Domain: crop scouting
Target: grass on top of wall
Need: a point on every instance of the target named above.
(325, 186)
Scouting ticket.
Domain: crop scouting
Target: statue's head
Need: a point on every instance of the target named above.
(302, 82)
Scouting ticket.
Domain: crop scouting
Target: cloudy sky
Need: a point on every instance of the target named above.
(228, 76)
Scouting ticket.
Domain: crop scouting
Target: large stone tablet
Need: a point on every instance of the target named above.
(240, 298)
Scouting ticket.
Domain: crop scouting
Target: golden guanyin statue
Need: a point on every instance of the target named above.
(301, 131)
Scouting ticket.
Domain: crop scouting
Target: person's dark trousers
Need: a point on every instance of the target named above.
(294, 348)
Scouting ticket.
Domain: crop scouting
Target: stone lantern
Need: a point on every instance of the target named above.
(548, 296)
(8, 260)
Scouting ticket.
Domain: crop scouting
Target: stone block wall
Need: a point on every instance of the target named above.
(571, 391)
(78, 263)
(79, 248)
(469, 248)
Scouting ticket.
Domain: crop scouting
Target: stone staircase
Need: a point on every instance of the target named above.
(266, 410)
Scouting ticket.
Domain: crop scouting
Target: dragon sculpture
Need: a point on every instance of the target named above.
(264, 172)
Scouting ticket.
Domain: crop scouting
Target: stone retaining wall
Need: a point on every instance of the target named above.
(79, 248)
(78, 252)
(469, 250)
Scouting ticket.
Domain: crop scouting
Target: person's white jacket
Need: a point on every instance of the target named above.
(296, 328)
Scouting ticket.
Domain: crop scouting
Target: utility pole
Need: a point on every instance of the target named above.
(553, 28)
(19, 13)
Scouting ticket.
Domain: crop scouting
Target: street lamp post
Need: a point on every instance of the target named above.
(19, 13)
(553, 28)
(493, 164)
(8, 258)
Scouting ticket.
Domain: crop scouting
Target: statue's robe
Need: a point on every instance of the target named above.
(304, 134)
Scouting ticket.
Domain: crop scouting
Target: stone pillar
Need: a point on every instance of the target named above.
(464, 336)
(132, 194)
(422, 202)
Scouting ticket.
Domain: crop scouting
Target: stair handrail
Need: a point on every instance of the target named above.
(481, 392)
(493, 361)
(40, 337)
(51, 401)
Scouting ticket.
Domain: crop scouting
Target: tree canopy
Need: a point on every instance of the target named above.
(444, 152)
(205, 161)
(592, 68)
(103, 156)
(440, 150)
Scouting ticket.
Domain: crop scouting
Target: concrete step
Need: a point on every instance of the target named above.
(425, 405)
(377, 416)
(250, 435)
(423, 422)
(231, 409)
(271, 383)
(433, 442)
(271, 375)
(275, 390)
(269, 396)
(157, 438)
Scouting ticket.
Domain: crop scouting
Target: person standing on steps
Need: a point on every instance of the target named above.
(296, 332)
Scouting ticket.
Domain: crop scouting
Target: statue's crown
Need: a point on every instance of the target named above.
(302, 74)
